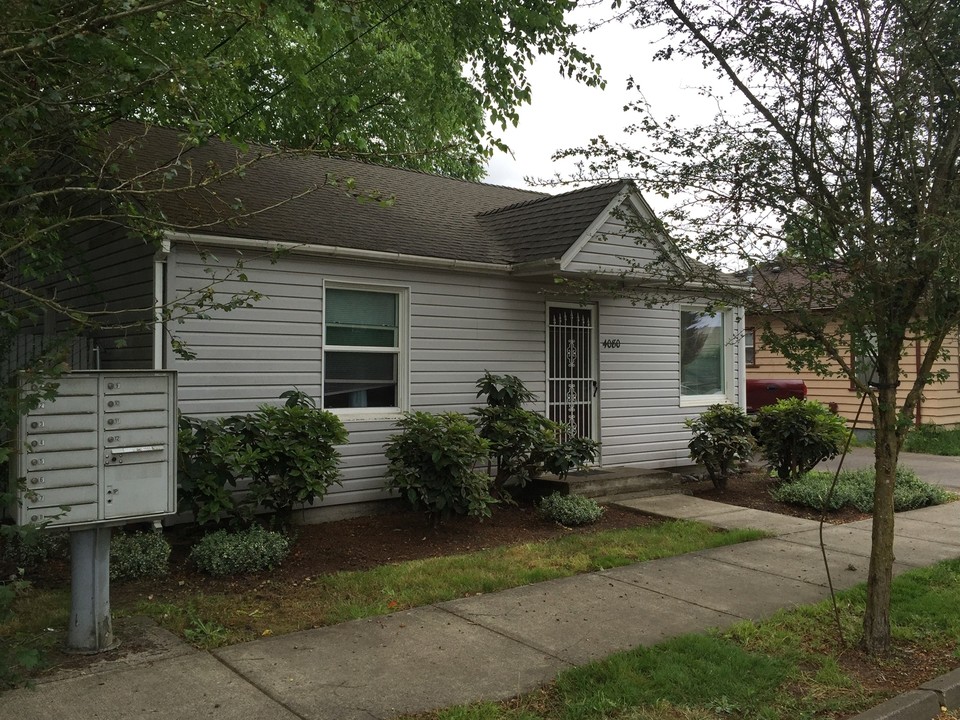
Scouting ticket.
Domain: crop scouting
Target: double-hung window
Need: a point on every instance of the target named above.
(703, 356)
(363, 354)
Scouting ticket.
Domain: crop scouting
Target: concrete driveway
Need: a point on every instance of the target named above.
(943, 471)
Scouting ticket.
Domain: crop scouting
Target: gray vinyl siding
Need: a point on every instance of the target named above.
(112, 270)
(460, 325)
(641, 413)
(609, 247)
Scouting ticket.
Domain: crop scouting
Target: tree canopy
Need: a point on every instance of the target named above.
(836, 156)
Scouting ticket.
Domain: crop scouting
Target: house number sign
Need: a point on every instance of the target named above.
(613, 343)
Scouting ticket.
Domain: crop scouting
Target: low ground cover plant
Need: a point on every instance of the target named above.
(854, 488)
(721, 441)
(570, 510)
(226, 552)
(139, 555)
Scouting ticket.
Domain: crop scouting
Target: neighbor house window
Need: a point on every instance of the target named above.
(702, 351)
(749, 347)
(363, 358)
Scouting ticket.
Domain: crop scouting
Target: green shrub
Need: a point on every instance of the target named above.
(855, 489)
(570, 510)
(795, 435)
(139, 555)
(721, 441)
(524, 443)
(433, 465)
(206, 474)
(287, 454)
(246, 551)
(293, 457)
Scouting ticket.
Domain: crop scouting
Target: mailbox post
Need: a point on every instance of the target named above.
(101, 454)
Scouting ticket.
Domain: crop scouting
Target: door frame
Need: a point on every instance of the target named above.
(594, 362)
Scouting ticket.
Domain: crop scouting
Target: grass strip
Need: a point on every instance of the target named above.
(273, 607)
(788, 667)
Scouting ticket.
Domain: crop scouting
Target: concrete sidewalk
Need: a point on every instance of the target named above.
(491, 647)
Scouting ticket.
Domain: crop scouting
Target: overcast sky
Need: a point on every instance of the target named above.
(564, 113)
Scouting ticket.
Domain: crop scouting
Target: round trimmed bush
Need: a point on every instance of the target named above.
(234, 553)
(570, 510)
(139, 555)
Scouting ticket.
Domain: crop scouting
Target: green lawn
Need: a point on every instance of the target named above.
(790, 667)
(933, 440)
(268, 606)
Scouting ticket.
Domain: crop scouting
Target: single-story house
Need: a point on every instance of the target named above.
(376, 308)
(940, 403)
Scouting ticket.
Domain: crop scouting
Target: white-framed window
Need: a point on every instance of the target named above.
(364, 349)
(750, 347)
(705, 357)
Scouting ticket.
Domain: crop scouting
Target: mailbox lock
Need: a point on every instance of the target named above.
(35, 424)
(113, 386)
(34, 518)
(112, 438)
(37, 461)
(36, 443)
(110, 421)
(35, 481)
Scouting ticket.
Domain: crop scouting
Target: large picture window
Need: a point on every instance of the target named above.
(702, 351)
(362, 349)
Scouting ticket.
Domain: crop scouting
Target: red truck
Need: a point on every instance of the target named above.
(761, 393)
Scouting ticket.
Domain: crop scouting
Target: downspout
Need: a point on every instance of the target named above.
(918, 416)
(159, 300)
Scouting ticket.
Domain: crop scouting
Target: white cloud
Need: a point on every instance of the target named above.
(564, 113)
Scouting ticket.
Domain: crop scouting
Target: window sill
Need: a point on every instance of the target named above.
(373, 415)
(704, 400)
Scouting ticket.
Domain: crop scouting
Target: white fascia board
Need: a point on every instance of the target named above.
(335, 251)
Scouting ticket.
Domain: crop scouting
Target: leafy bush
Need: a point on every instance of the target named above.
(287, 453)
(294, 457)
(433, 464)
(795, 435)
(855, 489)
(524, 443)
(721, 441)
(139, 555)
(570, 510)
(245, 551)
(206, 462)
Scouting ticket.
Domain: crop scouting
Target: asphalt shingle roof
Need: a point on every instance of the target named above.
(288, 198)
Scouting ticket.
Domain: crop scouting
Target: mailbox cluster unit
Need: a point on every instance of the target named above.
(103, 452)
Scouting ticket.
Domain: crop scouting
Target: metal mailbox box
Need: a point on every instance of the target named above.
(104, 451)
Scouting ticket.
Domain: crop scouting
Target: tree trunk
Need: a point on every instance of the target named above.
(876, 619)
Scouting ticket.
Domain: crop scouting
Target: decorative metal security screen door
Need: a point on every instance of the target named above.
(571, 379)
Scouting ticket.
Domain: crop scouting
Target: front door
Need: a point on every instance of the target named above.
(572, 369)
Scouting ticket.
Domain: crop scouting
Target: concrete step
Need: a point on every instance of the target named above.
(610, 485)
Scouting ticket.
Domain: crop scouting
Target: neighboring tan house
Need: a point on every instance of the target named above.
(376, 310)
(940, 403)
